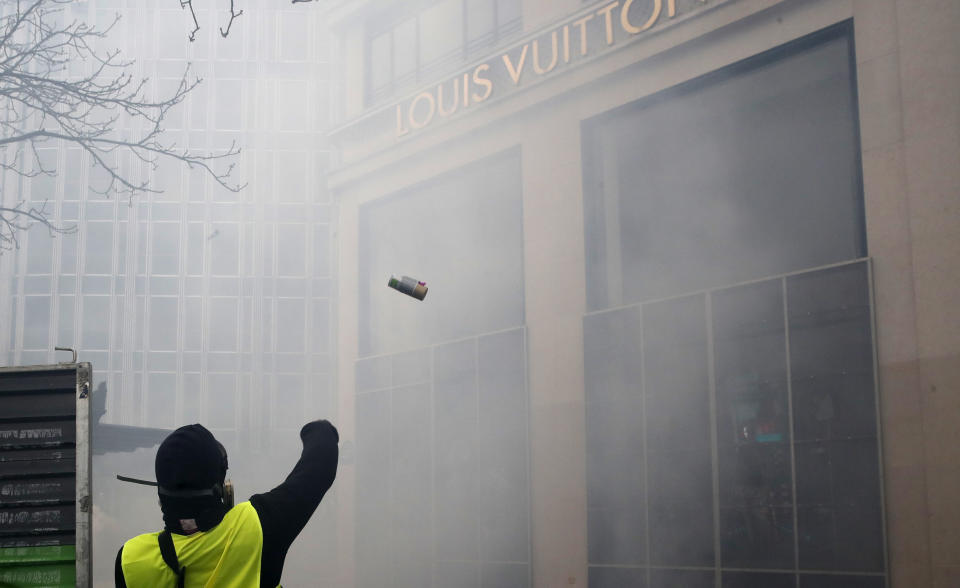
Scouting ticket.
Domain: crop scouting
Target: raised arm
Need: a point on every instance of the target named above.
(285, 510)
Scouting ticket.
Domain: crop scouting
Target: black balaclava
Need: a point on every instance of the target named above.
(191, 459)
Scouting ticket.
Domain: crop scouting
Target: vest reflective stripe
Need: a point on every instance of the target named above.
(227, 556)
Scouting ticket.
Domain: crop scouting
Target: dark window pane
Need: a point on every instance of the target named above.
(838, 480)
(681, 579)
(835, 406)
(612, 577)
(831, 354)
(845, 581)
(757, 537)
(616, 535)
(676, 378)
(767, 184)
(840, 538)
(611, 355)
(682, 534)
(615, 460)
(756, 504)
(841, 472)
(751, 365)
(752, 580)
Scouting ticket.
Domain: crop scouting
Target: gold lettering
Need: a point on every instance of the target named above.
(625, 17)
(466, 90)
(536, 55)
(608, 19)
(400, 130)
(430, 112)
(481, 81)
(456, 98)
(582, 23)
(516, 71)
(566, 43)
(671, 8)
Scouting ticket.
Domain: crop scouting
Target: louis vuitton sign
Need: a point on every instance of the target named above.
(562, 47)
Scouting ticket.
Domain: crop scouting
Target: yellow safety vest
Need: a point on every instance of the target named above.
(226, 556)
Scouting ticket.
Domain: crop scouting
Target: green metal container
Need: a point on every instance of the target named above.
(45, 508)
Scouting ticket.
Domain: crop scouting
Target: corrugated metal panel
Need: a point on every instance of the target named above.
(43, 470)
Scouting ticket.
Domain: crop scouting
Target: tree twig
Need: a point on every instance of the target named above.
(233, 15)
(196, 25)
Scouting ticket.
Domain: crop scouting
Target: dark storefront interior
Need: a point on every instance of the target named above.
(729, 356)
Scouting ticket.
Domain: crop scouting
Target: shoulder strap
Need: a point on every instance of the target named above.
(169, 555)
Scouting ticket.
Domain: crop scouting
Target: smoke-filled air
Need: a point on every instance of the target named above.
(582, 289)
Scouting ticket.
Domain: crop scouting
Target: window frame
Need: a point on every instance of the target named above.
(423, 72)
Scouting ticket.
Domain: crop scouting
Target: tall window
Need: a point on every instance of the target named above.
(441, 501)
(731, 406)
(403, 51)
(462, 234)
(747, 172)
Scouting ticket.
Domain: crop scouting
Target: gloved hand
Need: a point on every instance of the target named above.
(320, 430)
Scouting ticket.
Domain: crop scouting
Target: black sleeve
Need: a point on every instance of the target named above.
(118, 578)
(285, 510)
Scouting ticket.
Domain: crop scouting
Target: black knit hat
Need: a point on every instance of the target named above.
(190, 458)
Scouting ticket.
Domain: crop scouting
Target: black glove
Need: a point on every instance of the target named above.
(321, 430)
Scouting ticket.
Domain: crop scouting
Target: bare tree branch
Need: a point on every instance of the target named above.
(233, 15)
(20, 217)
(196, 26)
(57, 88)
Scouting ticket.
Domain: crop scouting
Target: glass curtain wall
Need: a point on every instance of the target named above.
(731, 401)
(197, 304)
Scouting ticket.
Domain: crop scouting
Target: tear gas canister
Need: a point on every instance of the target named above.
(409, 286)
